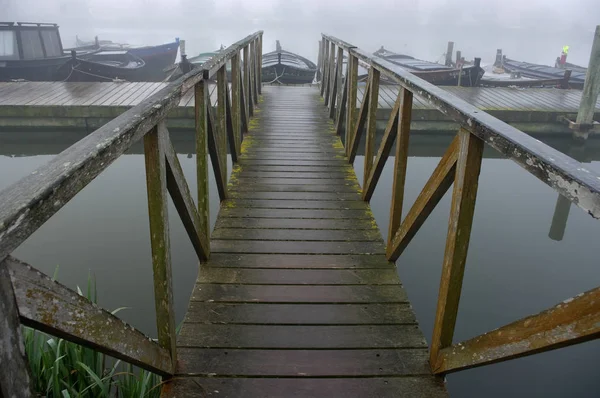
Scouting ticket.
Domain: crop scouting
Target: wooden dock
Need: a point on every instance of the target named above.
(298, 298)
(90, 105)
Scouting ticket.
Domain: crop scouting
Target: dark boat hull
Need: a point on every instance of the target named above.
(287, 74)
(89, 71)
(48, 69)
(157, 59)
(536, 71)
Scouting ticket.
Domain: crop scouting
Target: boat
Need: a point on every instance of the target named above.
(537, 71)
(284, 67)
(31, 51)
(187, 64)
(105, 66)
(156, 58)
(440, 75)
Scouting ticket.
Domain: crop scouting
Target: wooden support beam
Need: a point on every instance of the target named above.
(573, 321)
(57, 310)
(213, 150)
(244, 112)
(360, 123)
(182, 199)
(319, 61)
(462, 209)
(15, 378)
(591, 89)
(255, 72)
(399, 112)
(201, 103)
(325, 68)
(247, 80)
(352, 77)
(221, 131)
(449, 52)
(156, 182)
(259, 57)
(433, 191)
(330, 73)
(337, 91)
(231, 139)
(400, 164)
(236, 108)
(342, 109)
(371, 123)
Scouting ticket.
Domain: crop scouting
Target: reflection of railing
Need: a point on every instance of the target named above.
(572, 321)
(28, 296)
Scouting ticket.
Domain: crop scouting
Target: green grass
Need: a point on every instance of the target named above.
(64, 369)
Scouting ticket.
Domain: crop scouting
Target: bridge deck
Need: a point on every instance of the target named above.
(298, 299)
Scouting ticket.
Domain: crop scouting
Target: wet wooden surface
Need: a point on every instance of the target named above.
(126, 94)
(297, 299)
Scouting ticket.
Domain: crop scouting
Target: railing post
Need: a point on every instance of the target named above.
(15, 379)
(156, 182)
(589, 95)
(254, 73)
(235, 101)
(259, 72)
(352, 76)
(320, 61)
(222, 93)
(337, 87)
(201, 101)
(400, 163)
(460, 222)
(371, 123)
(325, 68)
(330, 72)
(244, 107)
(247, 80)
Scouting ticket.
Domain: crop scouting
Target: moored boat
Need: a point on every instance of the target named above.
(284, 67)
(437, 74)
(31, 51)
(537, 71)
(105, 66)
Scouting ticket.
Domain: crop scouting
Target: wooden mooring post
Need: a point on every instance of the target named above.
(449, 52)
(584, 123)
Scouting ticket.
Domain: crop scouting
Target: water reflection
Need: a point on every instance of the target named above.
(522, 258)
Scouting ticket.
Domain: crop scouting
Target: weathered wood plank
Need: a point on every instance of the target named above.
(261, 173)
(573, 321)
(400, 165)
(325, 79)
(55, 309)
(302, 363)
(241, 181)
(371, 123)
(296, 223)
(296, 247)
(297, 204)
(342, 105)
(352, 77)
(318, 196)
(298, 261)
(389, 135)
(371, 387)
(438, 184)
(156, 183)
(359, 235)
(301, 337)
(462, 209)
(359, 125)
(221, 119)
(15, 377)
(297, 276)
(278, 187)
(299, 294)
(295, 213)
(201, 103)
(330, 74)
(182, 199)
(301, 314)
(215, 155)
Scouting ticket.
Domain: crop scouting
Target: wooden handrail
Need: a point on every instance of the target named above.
(571, 322)
(28, 204)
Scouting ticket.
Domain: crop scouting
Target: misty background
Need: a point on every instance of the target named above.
(532, 30)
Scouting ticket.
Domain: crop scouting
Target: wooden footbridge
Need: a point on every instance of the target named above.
(297, 294)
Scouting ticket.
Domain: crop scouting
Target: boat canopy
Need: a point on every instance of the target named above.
(25, 41)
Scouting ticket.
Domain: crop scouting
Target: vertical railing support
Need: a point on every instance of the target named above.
(589, 95)
(244, 107)
(201, 102)
(235, 102)
(254, 72)
(400, 163)
(156, 182)
(371, 123)
(352, 77)
(325, 68)
(259, 69)
(460, 222)
(247, 80)
(15, 379)
(337, 84)
(222, 93)
(320, 61)
(330, 73)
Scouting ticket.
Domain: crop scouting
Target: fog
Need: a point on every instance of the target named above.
(533, 30)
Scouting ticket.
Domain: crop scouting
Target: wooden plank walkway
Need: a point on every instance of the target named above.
(298, 299)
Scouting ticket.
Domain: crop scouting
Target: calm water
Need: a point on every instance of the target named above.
(513, 269)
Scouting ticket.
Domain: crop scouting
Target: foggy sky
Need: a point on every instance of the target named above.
(532, 30)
